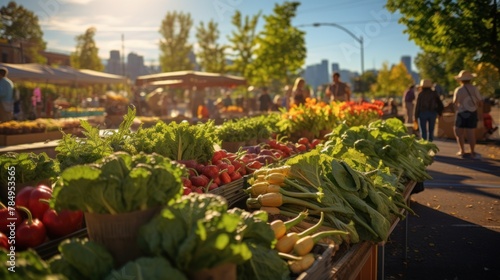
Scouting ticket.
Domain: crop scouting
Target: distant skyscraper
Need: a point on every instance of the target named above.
(114, 65)
(406, 59)
(335, 67)
(317, 74)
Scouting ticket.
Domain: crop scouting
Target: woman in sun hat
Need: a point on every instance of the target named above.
(467, 101)
(427, 108)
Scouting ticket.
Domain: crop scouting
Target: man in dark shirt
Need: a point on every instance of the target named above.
(265, 100)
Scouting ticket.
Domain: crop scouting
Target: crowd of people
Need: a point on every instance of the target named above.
(422, 104)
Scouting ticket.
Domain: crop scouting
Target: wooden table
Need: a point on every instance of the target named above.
(365, 260)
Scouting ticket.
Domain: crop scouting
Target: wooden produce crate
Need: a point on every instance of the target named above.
(321, 269)
(17, 139)
(232, 192)
(358, 262)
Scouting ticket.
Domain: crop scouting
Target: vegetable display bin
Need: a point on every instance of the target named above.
(226, 271)
(118, 233)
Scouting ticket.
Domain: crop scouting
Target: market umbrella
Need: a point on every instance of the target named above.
(193, 78)
(96, 77)
(25, 72)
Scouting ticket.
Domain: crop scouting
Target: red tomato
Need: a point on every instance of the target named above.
(315, 143)
(301, 147)
(186, 190)
(225, 178)
(303, 140)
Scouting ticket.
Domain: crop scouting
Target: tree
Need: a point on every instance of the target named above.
(85, 55)
(212, 55)
(281, 48)
(19, 25)
(392, 82)
(442, 68)
(487, 80)
(243, 44)
(443, 25)
(174, 46)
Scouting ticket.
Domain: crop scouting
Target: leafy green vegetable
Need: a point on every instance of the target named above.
(119, 183)
(72, 150)
(181, 141)
(243, 129)
(27, 265)
(61, 266)
(147, 268)
(195, 232)
(87, 258)
(260, 239)
(264, 264)
(385, 143)
(30, 167)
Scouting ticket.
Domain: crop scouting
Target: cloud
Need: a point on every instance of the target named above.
(101, 22)
(78, 2)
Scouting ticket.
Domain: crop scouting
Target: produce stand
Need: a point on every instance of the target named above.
(359, 262)
(381, 246)
(17, 139)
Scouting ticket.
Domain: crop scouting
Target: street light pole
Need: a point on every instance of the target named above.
(359, 40)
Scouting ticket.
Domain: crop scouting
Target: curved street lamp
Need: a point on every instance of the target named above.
(359, 40)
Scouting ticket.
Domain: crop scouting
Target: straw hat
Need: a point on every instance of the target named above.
(465, 75)
(425, 83)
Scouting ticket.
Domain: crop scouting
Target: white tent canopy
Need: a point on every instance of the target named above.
(64, 75)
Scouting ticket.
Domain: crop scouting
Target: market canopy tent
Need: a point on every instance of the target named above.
(64, 75)
(192, 78)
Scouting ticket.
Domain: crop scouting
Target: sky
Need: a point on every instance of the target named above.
(138, 21)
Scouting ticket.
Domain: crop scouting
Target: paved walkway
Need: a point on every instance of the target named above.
(456, 233)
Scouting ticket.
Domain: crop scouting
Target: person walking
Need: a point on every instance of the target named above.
(265, 101)
(427, 109)
(467, 101)
(338, 90)
(6, 96)
(409, 98)
(299, 91)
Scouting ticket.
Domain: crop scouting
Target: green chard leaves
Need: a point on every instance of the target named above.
(119, 183)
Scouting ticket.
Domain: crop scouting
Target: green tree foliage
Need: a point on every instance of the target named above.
(174, 47)
(19, 25)
(85, 55)
(392, 82)
(281, 48)
(487, 80)
(243, 44)
(443, 25)
(442, 68)
(212, 54)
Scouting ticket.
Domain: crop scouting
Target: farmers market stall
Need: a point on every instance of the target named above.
(191, 79)
(310, 208)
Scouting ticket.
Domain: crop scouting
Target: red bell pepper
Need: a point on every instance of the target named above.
(29, 197)
(4, 241)
(7, 218)
(59, 224)
(31, 232)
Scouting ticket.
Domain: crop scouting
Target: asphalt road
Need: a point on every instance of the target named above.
(456, 233)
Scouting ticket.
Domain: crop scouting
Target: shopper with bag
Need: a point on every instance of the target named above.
(427, 109)
(467, 102)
